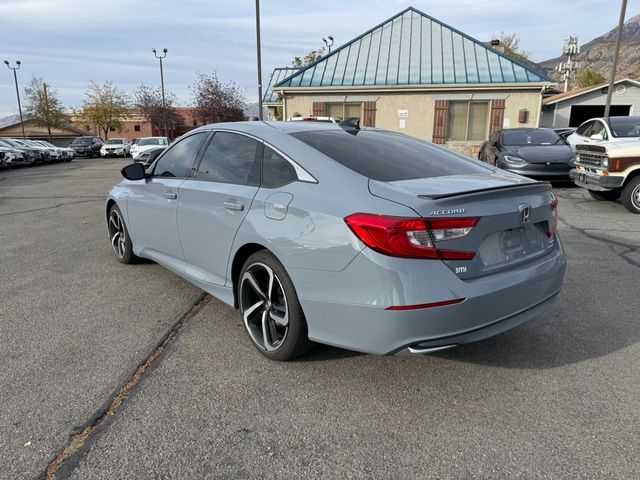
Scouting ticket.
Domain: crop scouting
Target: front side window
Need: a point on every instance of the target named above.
(625, 126)
(230, 158)
(599, 129)
(276, 170)
(178, 160)
(584, 129)
(468, 120)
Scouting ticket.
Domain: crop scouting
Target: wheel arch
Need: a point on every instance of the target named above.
(239, 258)
(110, 203)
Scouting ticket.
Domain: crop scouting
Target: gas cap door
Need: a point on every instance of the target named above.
(277, 204)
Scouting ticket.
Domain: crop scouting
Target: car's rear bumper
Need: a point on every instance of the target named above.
(349, 309)
(596, 182)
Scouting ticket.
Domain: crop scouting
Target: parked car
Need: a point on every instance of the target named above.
(31, 155)
(87, 146)
(13, 157)
(148, 157)
(66, 154)
(147, 143)
(116, 147)
(326, 243)
(605, 129)
(532, 152)
(610, 171)
(54, 153)
(43, 155)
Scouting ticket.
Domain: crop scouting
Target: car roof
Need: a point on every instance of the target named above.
(257, 127)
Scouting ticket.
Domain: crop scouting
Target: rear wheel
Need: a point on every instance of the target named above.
(270, 308)
(611, 195)
(631, 195)
(119, 237)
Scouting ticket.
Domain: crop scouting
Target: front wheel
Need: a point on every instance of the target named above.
(119, 237)
(270, 308)
(607, 195)
(631, 195)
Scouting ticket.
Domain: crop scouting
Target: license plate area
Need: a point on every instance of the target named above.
(581, 177)
(511, 246)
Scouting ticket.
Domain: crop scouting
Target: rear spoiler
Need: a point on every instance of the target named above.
(482, 190)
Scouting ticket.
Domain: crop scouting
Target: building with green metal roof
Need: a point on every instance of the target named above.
(417, 75)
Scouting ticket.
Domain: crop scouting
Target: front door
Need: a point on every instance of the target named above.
(153, 205)
(214, 203)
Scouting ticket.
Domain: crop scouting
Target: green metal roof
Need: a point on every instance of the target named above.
(412, 48)
(277, 75)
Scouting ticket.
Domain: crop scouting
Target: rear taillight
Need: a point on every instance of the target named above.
(553, 204)
(411, 237)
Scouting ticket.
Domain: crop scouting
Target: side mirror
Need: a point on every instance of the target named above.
(596, 136)
(135, 171)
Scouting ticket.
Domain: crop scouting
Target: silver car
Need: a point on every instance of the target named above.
(353, 237)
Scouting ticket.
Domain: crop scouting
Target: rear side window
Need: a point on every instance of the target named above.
(178, 160)
(231, 158)
(276, 171)
(388, 156)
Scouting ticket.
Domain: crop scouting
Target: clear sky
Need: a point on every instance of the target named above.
(70, 42)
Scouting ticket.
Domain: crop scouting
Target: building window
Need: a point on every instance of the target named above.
(468, 121)
(136, 128)
(112, 129)
(195, 123)
(344, 110)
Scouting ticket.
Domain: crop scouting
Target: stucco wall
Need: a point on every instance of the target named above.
(419, 107)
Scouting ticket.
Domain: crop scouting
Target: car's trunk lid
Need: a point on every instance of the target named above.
(514, 216)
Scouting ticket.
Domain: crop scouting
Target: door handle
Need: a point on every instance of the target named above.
(171, 195)
(234, 206)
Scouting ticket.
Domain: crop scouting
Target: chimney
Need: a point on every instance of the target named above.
(497, 45)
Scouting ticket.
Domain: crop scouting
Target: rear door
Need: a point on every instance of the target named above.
(214, 202)
(152, 208)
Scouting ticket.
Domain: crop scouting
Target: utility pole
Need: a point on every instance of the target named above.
(612, 78)
(568, 68)
(46, 107)
(164, 106)
(259, 58)
(15, 78)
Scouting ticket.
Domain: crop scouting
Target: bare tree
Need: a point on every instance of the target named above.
(215, 101)
(511, 44)
(309, 58)
(148, 100)
(44, 107)
(106, 106)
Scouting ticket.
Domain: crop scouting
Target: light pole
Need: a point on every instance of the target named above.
(612, 78)
(328, 42)
(259, 59)
(164, 106)
(15, 77)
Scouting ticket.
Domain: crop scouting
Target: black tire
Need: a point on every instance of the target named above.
(631, 195)
(122, 248)
(282, 301)
(608, 195)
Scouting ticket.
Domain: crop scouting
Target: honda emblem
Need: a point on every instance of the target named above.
(525, 213)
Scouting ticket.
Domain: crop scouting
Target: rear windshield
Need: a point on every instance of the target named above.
(625, 126)
(388, 156)
(530, 137)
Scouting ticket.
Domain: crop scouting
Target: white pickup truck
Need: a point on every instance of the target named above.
(610, 170)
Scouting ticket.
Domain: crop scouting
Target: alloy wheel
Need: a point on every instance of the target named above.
(117, 234)
(635, 197)
(264, 307)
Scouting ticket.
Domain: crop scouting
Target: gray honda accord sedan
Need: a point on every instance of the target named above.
(353, 237)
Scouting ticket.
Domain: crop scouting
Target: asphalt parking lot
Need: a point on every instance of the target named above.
(558, 397)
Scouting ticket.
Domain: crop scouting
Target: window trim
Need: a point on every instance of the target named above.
(302, 174)
(152, 168)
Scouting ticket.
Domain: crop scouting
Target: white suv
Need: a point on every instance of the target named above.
(115, 146)
(147, 143)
